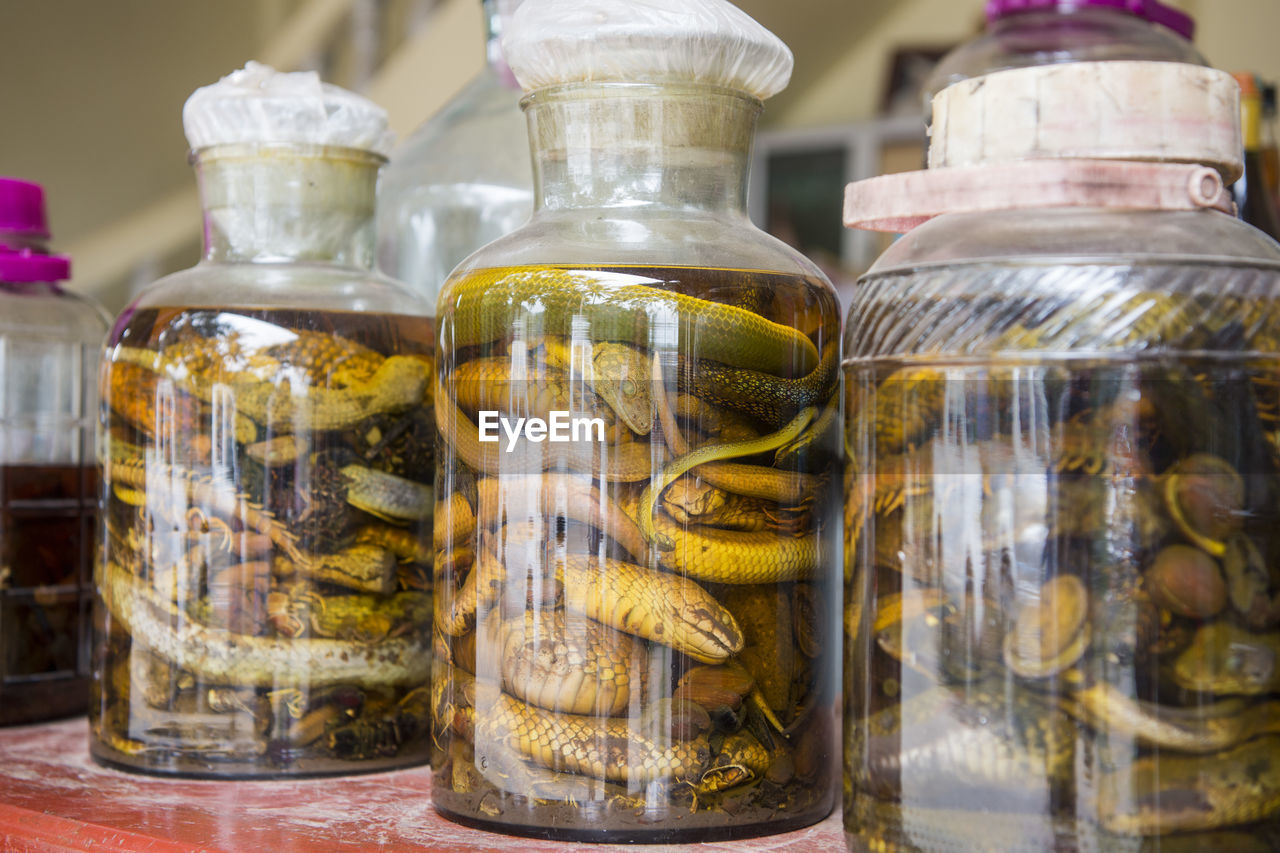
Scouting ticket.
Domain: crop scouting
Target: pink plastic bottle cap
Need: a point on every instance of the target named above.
(20, 266)
(1149, 10)
(22, 216)
(22, 208)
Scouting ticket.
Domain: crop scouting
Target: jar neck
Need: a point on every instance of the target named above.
(601, 145)
(288, 204)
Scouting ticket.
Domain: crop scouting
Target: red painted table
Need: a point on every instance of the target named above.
(54, 798)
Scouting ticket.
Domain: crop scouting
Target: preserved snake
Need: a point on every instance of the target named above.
(1039, 584)
(600, 567)
(268, 498)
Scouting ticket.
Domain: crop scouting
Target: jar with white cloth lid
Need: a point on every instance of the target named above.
(637, 594)
(267, 464)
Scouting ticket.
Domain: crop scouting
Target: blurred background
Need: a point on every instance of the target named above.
(95, 90)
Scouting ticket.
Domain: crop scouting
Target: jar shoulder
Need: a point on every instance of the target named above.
(317, 287)
(1070, 281)
(55, 313)
(613, 239)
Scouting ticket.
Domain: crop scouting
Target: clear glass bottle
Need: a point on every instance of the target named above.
(1022, 33)
(636, 645)
(49, 344)
(267, 487)
(1060, 535)
(461, 180)
(1254, 201)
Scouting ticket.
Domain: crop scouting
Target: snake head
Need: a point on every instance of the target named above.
(620, 375)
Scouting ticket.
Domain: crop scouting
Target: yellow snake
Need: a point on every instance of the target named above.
(225, 658)
(569, 664)
(666, 609)
(485, 306)
(1168, 793)
(710, 453)
(268, 397)
(612, 749)
(623, 462)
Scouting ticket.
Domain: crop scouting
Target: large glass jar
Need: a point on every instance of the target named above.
(268, 459)
(461, 180)
(49, 344)
(636, 596)
(1063, 574)
(1021, 33)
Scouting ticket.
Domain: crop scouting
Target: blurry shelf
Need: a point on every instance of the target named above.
(55, 799)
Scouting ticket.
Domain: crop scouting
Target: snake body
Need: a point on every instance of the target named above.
(610, 748)
(529, 341)
(487, 305)
(575, 666)
(269, 398)
(667, 609)
(1171, 794)
(964, 745)
(224, 658)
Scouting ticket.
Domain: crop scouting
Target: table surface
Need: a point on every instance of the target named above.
(53, 797)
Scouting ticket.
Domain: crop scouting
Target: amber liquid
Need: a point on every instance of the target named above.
(538, 731)
(47, 520)
(267, 519)
(1061, 604)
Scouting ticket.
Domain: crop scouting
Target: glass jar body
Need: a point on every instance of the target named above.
(267, 473)
(1064, 34)
(459, 182)
(49, 343)
(1059, 530)
(635, 646)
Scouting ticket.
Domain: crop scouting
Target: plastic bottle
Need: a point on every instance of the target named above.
(49, 344)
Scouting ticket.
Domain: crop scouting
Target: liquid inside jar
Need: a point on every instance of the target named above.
(637, 624)
(1063, 604)
(267, 566)
(47, 519)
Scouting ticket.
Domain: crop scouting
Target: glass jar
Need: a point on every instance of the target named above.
(461, 180)
(1063, 594)
(636, 594)
(1021, 33)
(267, 489)
(49, 344)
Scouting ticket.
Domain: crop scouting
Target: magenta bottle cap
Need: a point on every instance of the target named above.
(22, 208)
(20, 266)
(1149, 10)
(22, 215)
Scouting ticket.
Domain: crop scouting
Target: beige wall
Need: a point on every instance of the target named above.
(93, 95)
(1233, 34)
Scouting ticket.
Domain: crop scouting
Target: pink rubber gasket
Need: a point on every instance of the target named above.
(898, 203)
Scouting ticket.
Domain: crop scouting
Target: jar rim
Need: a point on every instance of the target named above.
(588, 89)
(285, 150)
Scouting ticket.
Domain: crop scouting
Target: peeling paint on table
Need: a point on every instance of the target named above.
(55, 799)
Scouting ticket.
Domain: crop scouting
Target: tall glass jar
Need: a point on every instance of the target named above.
(636, 597)
(461, 180)
(267, 489)
(1063, 574)
(49, 344)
